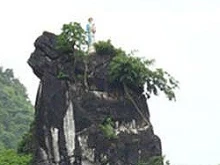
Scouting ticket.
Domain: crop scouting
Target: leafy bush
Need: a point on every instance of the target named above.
(107, 128)
(125, 69)
(156, 160)
(61, 75)
(72, 36)
(119, 51)
(104, 48)
(10, 157)
(135, 72)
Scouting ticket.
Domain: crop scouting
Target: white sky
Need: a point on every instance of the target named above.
(182, 35)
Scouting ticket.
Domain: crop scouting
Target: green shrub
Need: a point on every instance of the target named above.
(119, 51)
(104, 48)
(135, 72)
(107, 128)
(125, 69)
(10, 157)
(73, 36)
(62, 75)
(155, 160)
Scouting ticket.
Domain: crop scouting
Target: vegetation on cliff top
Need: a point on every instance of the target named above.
(136, 72)
(124, 69)
(73, 36)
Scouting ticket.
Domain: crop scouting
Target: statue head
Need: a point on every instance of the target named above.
(90, 19)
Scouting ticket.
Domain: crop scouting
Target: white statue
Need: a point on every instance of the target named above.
(91, 30)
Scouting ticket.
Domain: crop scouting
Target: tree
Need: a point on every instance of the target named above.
(72, 37)
(16, 111)
(136, 72)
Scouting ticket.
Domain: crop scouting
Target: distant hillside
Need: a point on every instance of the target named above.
(16, 111)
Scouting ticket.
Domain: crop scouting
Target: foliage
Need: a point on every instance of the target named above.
(26, 145)
(156, 160)
(134, 71)
(16, 111)
(10, 157)
(104, 48)
(123, 69)
(61, 75)
(119, 52)
(73, 36)
(107, 128)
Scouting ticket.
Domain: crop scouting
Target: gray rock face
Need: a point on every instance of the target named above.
(71, 115)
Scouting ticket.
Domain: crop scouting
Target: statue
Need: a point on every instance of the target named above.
(91, 30)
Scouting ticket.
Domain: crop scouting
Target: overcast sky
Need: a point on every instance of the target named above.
(182, 35)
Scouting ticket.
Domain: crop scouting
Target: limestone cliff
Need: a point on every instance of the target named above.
(71, 114)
